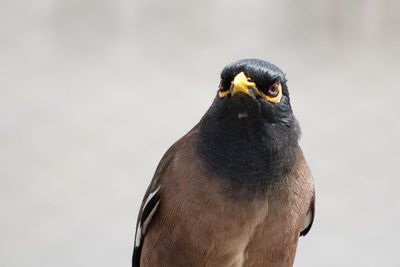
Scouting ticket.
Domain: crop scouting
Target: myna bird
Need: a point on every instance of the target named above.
(236, 189)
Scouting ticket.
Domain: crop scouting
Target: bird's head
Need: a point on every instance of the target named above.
(249, 133)
(255, 89)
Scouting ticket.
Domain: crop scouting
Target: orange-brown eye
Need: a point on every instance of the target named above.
(273, 90)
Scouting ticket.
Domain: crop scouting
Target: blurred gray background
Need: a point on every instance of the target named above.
(92, 93)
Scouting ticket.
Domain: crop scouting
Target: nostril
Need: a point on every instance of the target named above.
(253, 92)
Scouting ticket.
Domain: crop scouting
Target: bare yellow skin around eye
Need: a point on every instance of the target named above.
(276, 98)
(243, 82)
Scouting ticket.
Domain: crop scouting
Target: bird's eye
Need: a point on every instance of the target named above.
(273, 90)
(274, 93)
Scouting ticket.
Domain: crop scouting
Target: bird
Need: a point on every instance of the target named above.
(236, 190)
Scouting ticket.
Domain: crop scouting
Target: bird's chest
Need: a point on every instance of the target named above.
(274, 240)
(212, 222)
(256, 232)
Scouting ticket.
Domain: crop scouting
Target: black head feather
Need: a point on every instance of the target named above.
(249, 141)
(262, 73)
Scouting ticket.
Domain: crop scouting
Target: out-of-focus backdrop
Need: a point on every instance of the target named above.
(92, 93)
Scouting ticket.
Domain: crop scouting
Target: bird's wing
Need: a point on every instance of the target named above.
(309, 219)
(149, 206)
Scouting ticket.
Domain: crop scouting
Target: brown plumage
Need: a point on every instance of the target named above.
(195, 213)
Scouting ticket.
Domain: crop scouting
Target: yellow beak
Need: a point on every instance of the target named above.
(241, 84)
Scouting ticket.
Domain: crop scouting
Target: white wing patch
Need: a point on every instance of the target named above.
(138, 235)
(149, 208)
(148, 220)
(151, 195)
(307, 220)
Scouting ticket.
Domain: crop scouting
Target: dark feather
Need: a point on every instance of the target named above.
(151, 206)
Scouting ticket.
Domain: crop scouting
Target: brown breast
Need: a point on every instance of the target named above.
(198, 224)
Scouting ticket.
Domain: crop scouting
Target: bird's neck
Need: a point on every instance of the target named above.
(248, 151)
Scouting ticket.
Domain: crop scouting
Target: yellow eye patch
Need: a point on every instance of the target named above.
(276, 98)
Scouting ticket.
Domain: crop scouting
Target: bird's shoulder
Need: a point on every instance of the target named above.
(151, 199)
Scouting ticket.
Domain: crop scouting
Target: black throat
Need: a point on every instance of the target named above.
(238, 143)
